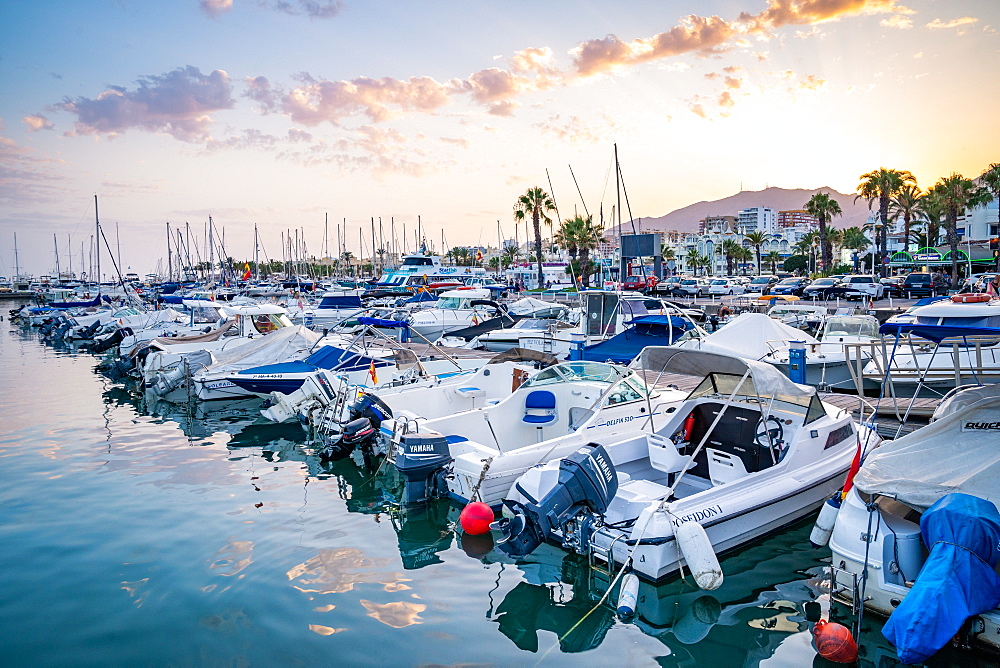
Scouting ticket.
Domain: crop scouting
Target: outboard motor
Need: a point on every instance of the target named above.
(371, 407)
(586, 484)
(357, 433)
(422, 459)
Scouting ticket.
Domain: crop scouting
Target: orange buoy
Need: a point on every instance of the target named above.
(971, 298)
(476, 518)
(834, 642)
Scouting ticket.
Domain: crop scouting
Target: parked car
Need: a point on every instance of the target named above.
(639, 283)
(920, 284)
(762, 284)
(694, 287)
(863, 287)
(893, 285)
(825, 288)
(726, 286)
(669, 286)
(790, 286)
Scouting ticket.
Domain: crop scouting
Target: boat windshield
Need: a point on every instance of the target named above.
(451, 303)
(265, 323)
(851, 326)
(533, 323)
(722, 385)
(594, 372)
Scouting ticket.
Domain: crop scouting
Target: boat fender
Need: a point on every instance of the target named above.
(820, 534)
(697, 550)
(834, 642)
(628, 594)
(972, 298)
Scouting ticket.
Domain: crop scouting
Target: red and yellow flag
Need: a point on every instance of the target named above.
(371, 372)
(246, 271)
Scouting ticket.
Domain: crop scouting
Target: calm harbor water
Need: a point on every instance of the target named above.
(137, 534)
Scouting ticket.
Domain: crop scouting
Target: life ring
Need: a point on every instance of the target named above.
(972, 298)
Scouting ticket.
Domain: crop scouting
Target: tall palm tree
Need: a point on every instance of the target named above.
(824, 208)
(905, 204)
(590, 234)
(881, 185)
(535, 203)
(855, 239)
(990, 180)
(956, 194)
(696, 259)
(931, 212)
(743, 255)
(568, 234)
(730, 249)
(757, 239)
(773, 258)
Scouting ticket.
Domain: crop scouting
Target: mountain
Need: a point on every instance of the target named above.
(780, 199)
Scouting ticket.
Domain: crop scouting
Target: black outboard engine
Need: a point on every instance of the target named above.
(371, 407)
(587, 483)
(422, 459)
(357, 433)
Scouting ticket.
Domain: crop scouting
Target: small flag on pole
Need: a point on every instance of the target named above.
(371, 372)
(246, 271)
(479, 256)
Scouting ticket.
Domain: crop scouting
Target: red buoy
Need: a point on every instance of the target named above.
(688, 426)
(475, 518)
(834, 642)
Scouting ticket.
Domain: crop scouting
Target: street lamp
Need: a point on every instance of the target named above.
(877, 251)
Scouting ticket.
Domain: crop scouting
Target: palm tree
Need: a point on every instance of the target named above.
(589, 235)
(696, 259)
(905, 203)
(773, 258)
(536, 203)
(882, 184)
(743, 255)
(956, 194)
(835, 238)
(824, 208)
(855, 239)
(757, 239)
(990, 180)
(567, 235)
(930, 212)
(730, 249)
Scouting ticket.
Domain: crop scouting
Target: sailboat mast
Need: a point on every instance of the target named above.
(97, 244)
(55, 244)
(17, 265)
(170, 257)
(211, 250)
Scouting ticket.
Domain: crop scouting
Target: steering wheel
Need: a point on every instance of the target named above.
(769, 432)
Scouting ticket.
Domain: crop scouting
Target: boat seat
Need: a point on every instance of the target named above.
(470, 392)
(724, 467)
(540, 408)
(663, 455)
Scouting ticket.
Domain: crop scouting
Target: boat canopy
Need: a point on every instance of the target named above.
(938, 333)
(750, 335)
(957, 453)
(722, 374)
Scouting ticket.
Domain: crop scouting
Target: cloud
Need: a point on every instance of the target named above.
(803, 12)
(27, 179)
(178, 103)
(457, 141)
(897, 21)
(331, 101)
(938, 24)
(576, 130)
(216, 7)
(698, 110)
(36, 122)
(812, 82)
(259, 90)
(314, 9)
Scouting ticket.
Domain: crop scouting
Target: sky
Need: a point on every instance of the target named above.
(319, 115)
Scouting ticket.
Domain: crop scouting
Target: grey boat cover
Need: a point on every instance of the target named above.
(960, 452)
(751, 335)
(287, 343)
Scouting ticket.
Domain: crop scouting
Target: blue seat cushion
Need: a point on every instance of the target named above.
(539, 419)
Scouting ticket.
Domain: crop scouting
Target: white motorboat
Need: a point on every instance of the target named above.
(453, 310)
(799, 315)
(826, 362)
(881, 555)
(746, 453)
(947, 343)
(500, 340)
(478, 454)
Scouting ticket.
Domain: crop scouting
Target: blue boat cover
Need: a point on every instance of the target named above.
(646, 330)
(421, 297)
(956, 582)
(341, 301)
(381, 322)
(96, 301)
(325, 357)
(935, 333)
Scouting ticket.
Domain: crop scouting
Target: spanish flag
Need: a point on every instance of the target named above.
(479, 256)
(246, 271)
(371, 372)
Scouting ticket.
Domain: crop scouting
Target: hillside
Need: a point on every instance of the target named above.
(780, 199)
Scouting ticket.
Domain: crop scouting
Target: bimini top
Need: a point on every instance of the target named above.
(766, 379)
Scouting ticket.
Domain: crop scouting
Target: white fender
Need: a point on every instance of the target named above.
(628, 595)
(820, 534)
(697, 550)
